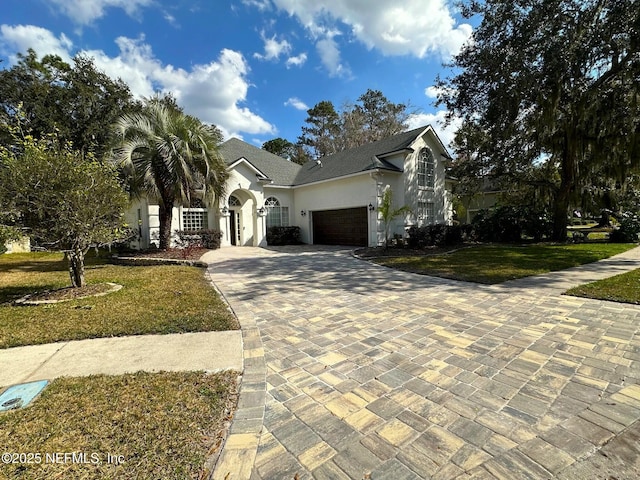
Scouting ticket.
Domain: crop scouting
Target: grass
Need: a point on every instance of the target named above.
(620, 288)
(162, 425)
(153, 300)
(497, 263)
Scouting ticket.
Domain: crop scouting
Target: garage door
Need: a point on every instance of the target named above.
(347, 226)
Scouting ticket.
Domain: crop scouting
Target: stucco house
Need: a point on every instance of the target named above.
(334, 200)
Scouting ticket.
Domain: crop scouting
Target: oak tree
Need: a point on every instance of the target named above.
(551, 81)
(77, 102)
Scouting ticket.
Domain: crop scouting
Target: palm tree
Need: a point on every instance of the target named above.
(387, 212)
(167, 156)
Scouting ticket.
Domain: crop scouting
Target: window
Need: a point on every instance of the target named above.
(426, 213)
(234, 202)
(277, 216)
(194, 219)
(426, 169)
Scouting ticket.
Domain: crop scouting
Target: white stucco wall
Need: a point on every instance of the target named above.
(436, 195)
(286, 198)
(137, 217)
(244, 185)
(19, 246)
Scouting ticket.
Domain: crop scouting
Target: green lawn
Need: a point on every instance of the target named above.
(498, 263)
(160, 425)
(621, 288)
(154, 300)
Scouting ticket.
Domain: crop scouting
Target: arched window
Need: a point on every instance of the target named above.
(426, 169)
(277, 215)
(234, 202)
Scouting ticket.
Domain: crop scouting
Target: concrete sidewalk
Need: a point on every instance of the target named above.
(556, 283)
(209, 351)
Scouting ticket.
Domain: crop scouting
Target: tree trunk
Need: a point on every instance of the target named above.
(166, 215)
(560, 209)
(76, 267)
(563, 196)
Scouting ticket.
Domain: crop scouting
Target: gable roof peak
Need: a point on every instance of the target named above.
(280, 170)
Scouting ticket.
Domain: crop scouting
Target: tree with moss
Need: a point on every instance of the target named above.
(551, 81)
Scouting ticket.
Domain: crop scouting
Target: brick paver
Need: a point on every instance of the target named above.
(356, 371)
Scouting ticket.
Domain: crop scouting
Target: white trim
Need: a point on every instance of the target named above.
(407, 150)
(244, 160)
(285, 187)
(366, 172)
(429, 128)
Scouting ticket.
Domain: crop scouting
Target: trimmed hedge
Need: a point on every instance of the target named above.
(199, 238)
(439, 235)
(283, 236)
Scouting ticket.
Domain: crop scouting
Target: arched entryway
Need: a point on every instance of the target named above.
(241, 226)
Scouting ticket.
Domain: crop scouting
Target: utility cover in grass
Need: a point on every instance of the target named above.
(21, 395)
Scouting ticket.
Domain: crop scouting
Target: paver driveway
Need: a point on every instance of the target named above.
(374, 373)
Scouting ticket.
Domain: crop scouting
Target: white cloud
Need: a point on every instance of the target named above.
(85, 12)
(20, 38)
(297, 61)
(296, 103)
(432, 92)
(415, 27)
(273, 48)
(330, 56)
(214, 92)
(437, 121)
(171, 20)
(261, 5)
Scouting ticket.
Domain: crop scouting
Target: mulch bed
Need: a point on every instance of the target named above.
(375, 252)
(169, 254)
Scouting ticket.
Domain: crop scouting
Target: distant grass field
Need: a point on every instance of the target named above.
(498, 263)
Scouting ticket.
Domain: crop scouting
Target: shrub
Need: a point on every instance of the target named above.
(508, 223)
(536, 224)
(283, 236)
(438, 235)
(628, 230)
(199, 238)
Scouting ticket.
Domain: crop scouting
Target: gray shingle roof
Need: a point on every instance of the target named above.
(356, 160)
(278, 169)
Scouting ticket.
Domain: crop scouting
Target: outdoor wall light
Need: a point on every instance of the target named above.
(261, 211)
(303, 213)
(371, 208)
(225, 210)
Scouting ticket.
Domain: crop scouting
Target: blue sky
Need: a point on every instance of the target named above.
(252, 67)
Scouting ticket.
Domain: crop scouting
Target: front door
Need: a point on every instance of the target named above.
(234, 219)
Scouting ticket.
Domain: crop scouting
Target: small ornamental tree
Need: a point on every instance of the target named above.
(63, 198)
(388, 213)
